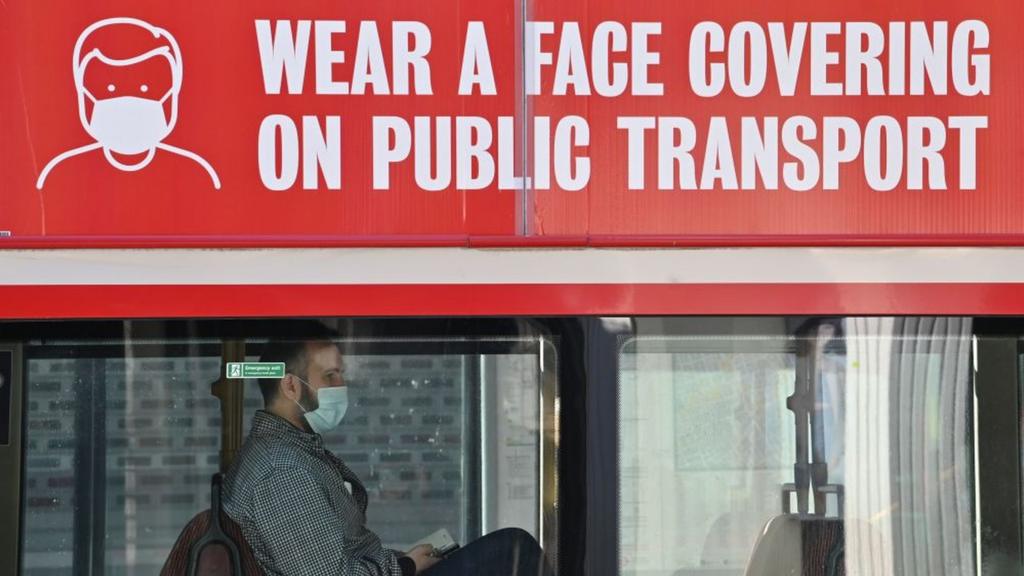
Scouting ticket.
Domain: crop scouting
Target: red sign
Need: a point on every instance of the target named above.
(599, 120)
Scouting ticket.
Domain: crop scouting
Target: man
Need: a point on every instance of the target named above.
(303, 511)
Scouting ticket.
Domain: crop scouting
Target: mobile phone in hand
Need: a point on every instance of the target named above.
(442, 542)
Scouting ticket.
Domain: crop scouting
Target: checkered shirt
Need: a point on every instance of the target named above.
(288, 494)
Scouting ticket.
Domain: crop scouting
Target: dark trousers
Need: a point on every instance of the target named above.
(507, 552)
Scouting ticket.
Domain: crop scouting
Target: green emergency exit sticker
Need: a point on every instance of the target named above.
(255, 370)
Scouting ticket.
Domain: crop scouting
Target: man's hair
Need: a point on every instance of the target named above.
(294, 352)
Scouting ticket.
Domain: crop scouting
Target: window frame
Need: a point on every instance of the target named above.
(587, 371)
(998, 381)
(999, 420)
(11, 458)
(153, 338)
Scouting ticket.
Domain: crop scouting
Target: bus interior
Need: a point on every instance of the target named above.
(646, 446)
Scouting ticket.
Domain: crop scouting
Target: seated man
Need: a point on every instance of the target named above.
(303, 511)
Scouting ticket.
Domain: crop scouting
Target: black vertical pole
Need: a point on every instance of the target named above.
(473, 426)
(997, 385)
(602, 409)
(573, 478)
(90, 467)
(801, 403)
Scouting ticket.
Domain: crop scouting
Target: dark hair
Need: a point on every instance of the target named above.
(290, 347)
(294, 354)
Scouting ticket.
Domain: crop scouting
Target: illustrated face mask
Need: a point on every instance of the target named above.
(128, 124)
(333, 404)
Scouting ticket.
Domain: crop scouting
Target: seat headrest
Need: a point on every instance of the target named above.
(793, 545)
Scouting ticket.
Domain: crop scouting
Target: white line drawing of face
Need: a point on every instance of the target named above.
(128, 125)
(173, 56)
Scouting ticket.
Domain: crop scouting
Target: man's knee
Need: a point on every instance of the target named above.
(520, 551)
(519, 539)
(517, 535)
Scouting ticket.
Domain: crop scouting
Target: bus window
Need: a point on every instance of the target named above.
(441, 434)
(714, 447)
(123, 438)
(646, 446)
(119, 453)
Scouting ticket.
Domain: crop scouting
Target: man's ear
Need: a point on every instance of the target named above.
(289, 388)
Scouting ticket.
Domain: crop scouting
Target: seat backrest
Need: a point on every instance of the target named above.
(206, 548)
(792, 545)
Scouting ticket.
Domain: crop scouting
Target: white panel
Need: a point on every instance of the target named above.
(511, 266)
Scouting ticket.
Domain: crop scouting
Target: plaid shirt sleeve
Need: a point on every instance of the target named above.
(308, 534)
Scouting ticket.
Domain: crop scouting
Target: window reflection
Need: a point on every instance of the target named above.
(444, 433)
(158, 447)
(890, 430)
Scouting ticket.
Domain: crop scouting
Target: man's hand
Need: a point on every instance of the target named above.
(423, 556)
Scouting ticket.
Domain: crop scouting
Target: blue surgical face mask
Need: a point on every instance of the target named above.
(332, 405)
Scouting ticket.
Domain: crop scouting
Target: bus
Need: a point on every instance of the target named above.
(680, 288)
(744, 427)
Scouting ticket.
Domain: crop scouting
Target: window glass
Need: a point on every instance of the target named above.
(129, 443)
(49, 467)
(123, 439)
(722, 438)
(710, 450)
(440, 440)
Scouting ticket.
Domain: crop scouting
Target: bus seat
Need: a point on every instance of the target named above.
(211, 548)
(792, 545)
(728, 540)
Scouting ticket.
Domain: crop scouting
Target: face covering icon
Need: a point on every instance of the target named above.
(332, 405)
(128, 124)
